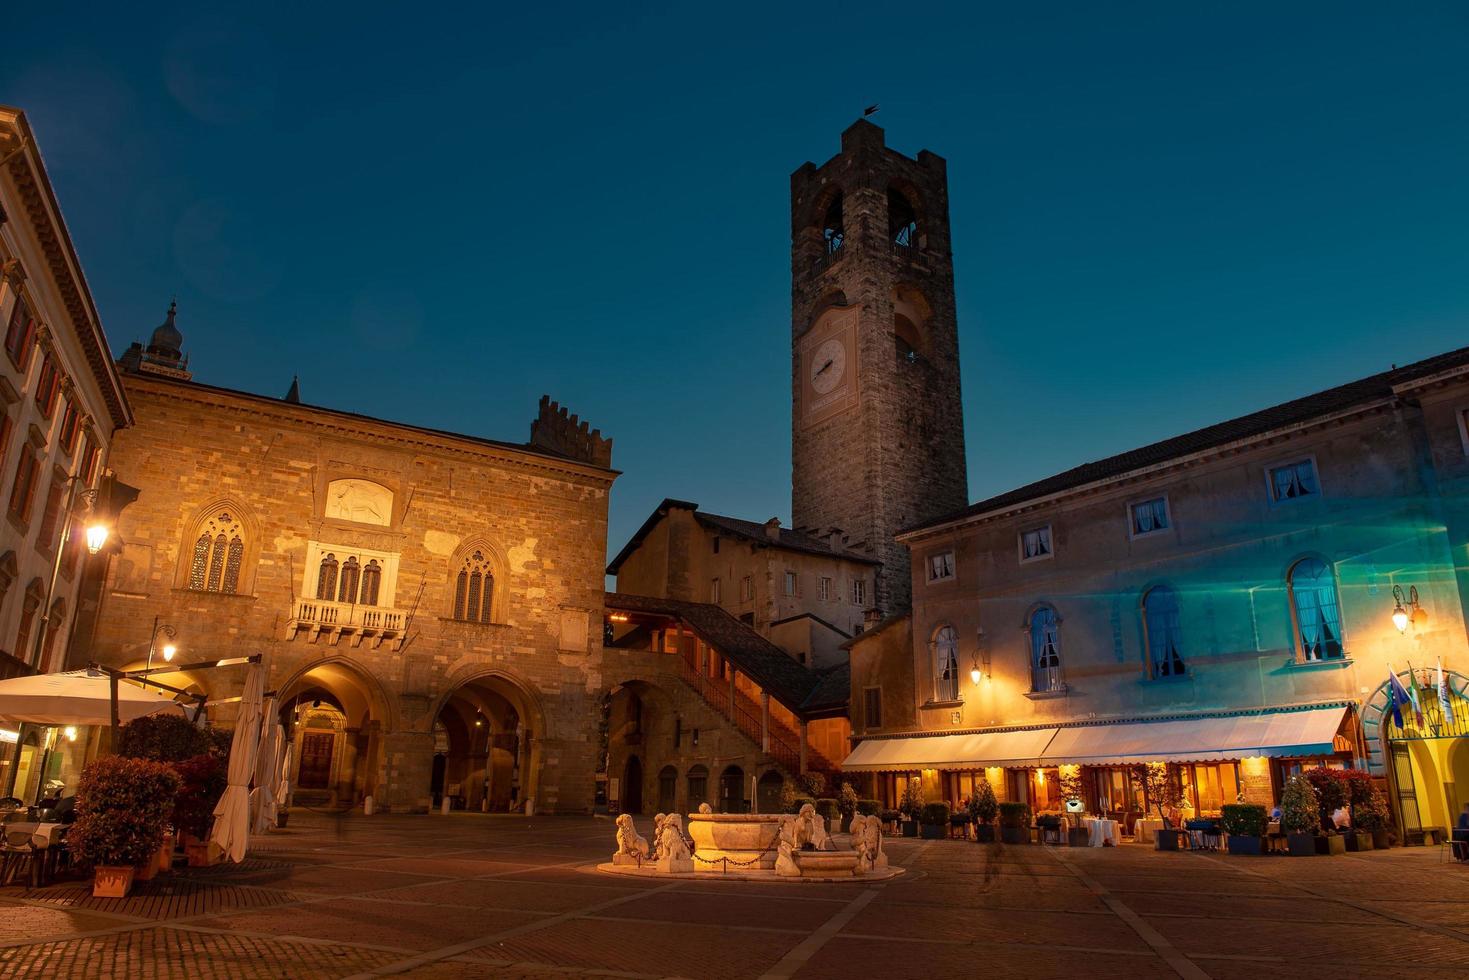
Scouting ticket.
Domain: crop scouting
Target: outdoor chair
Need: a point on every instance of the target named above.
(1459, 846)
(1050, 829)
(20, 852)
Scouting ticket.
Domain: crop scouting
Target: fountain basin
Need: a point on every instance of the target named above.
(740, 837)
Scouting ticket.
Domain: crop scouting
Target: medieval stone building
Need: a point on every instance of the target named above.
(429, 604)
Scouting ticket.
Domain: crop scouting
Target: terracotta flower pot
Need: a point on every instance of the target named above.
(111, 881)
(198, 854)
(165, 854)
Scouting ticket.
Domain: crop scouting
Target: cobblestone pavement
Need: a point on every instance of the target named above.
(468, 896)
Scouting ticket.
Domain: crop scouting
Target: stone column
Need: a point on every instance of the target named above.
(409, 758)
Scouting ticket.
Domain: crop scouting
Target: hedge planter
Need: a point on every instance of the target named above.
(1331, 844)
(1358, 841)
(1240, 844)
(112, 882)
(1171, 840)
(1077, 837)
(1381, 840)
(910, 828)
(984, 833)
(148, 870)
(1301, 845)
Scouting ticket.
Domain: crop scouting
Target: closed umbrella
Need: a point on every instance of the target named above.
(231, 832)
(261, 796)
(77, 697)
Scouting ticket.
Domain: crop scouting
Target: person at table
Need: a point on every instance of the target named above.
(1461, 835)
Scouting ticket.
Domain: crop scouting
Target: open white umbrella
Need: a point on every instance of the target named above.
(262, 797)
(77, 697)
(231, 831)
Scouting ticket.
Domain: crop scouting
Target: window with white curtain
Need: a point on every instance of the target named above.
(1045, 651)
(945, 664)
(1294, 481)
(1160, 620)
(1035, 544)
(941, 567)
(1317, 615)
(1148, 516)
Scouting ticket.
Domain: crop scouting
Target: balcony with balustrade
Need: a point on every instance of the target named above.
(315, 620)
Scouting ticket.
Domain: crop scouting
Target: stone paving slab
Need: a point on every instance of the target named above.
(845, 958)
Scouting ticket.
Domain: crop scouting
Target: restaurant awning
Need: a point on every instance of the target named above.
(972, 751)
(1286, 732)
(77, 697)
(1282, 732)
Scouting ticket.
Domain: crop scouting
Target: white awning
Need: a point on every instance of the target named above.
(973, 751)
(77, 697)
(1307, 731)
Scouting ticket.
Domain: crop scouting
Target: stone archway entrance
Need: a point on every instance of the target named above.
(1423, 759)
(632, 785)
(732, 790)
(485, 733)
(334, 721)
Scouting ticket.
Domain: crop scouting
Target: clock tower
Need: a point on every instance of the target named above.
(878, 430)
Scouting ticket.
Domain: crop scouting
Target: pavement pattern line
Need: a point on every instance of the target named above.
(1181, 964)
(458, 949)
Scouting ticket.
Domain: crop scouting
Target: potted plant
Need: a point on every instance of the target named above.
(1331, 796)
(1014, 823)
(910, 805)
(983, 807)
(890, 819)
(123, 806)
(1300, 816)
(847, 804)
(935, 820)
(1369, 811)
(202, 781)
(1244, 825)
(1164, 793)
(1371, 817)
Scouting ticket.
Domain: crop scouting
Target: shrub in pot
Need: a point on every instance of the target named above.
(162, 738)
(869, 808)
(1300, 816)
(123, 807)
(1244, 824)
(1369, 811)
(202, 781)
(889, 818)
(982, 807)
(910, 805)
(847, 805)
(1014, 823)
(935, 820)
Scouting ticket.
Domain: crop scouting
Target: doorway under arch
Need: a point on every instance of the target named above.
(767, 791)
(485, 731)
(667, 789)
(632, 785)
(732, 791)
(334, 717)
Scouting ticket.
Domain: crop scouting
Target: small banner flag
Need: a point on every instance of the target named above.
(1418, 718)
(1398, 697)
(1443, 696)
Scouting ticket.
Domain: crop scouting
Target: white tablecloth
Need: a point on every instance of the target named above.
(1146, 827)
(43, 835)
(1100, 832)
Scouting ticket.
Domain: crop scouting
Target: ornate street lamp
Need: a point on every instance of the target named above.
(980, 664)
(1402, 617)
(167, 650)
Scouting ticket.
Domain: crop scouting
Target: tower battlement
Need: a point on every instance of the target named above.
(561, 432)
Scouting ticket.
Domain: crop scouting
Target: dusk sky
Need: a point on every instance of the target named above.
(1163, 215)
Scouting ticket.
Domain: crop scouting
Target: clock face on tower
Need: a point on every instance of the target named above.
(828, 366)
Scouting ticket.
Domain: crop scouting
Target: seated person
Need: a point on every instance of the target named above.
(1275, 812)
(1341, 818)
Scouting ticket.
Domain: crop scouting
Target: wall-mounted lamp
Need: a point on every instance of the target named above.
(980, 665)
(1413, 614)
(70, 732)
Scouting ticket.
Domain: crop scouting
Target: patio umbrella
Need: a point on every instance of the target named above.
(77, 697)
(264, 763)
(231, 831)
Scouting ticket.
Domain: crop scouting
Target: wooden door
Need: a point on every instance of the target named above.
(316, 760)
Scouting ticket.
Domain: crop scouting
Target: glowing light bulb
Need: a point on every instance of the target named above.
(1400, 618)
(168, 651)
(96, 538)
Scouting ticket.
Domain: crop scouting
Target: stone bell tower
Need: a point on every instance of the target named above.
(878, 431)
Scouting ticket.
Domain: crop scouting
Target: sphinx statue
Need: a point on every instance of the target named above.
(632, 848)
(672, 848)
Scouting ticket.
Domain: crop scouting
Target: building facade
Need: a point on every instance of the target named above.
(877, 439)
(62, 403)
(428, 604)
(1224, 601)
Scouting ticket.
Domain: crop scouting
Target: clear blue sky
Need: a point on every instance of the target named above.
(1164, 215)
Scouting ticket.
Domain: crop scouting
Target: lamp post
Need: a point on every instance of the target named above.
(96, 534)
(1402, 617)
(168, 648)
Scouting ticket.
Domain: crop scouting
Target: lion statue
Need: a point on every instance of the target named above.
(632, 847)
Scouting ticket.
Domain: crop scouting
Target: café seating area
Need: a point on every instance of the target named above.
(33, 841)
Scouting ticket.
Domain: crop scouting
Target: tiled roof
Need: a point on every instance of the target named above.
(1300, 410)
(787, 538)
(833, 689)
(767, 664)
(877, 628)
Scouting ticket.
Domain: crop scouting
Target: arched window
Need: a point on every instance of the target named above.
(1160, 624)
(351, 573)
(945, 664)
(1318, 621)
(698, 786)
(372, 581)
(35, 594)
(1045, 651)
(326, 578)
(219, 551)
(902, 220)
(831, 231)
(474, 589)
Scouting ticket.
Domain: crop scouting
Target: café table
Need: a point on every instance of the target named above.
(1101, 832)
(46, 839)
(1147, 828)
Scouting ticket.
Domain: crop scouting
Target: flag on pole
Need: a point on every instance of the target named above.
(1418, 718)
(1443, 696)
(1397, 697)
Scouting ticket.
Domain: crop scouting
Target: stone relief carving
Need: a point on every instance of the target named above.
(361, 501)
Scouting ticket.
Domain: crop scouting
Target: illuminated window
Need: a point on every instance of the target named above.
(474, 589)
(1045, 651)
(945, 645)
(71, 427)
(351, 574)
(1317, 620)
(1160, 620)
(326, 577)
(372, 582)
(219, 552)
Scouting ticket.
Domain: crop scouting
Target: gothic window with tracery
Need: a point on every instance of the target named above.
(351, 572)
(372, 580)
(474, 589)
(219, 553)
(326, 578)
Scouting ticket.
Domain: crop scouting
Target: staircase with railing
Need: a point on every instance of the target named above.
(744, 713)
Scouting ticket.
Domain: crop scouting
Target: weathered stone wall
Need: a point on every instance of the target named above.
(196, 450)
(897, 458)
